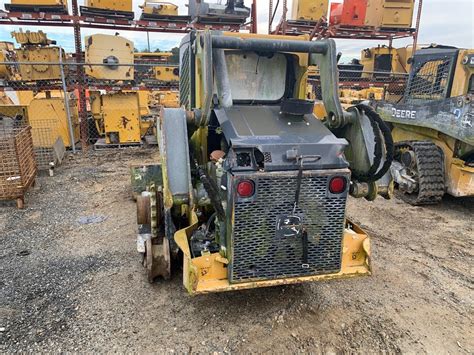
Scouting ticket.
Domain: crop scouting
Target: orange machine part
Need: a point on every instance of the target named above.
(353, 13)
(335, 13)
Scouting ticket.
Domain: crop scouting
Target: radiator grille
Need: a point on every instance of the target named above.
(258, 253)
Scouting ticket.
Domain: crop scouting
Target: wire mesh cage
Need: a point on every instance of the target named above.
(17, 162)
(43, 143)
(356, 86)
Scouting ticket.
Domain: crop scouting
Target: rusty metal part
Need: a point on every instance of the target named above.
(17, 163)
(157, 259)
(143, 209)
(80, 76)
(217, 154)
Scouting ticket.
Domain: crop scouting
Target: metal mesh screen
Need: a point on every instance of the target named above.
(43, 142)
(431, 81)
(259, 253)
(50, 93)
(185, 87)
(356, 86)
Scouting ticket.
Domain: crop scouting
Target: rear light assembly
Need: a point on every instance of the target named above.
(245, 188)
(337, 185)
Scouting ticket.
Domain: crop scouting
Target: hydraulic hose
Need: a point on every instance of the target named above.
(383, 137)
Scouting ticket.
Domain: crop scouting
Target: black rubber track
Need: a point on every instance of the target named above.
(430, 172)
(380, 130)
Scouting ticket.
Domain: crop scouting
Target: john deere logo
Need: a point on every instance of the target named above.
(289, 226)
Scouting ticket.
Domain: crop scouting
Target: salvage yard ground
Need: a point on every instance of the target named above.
(71, 280)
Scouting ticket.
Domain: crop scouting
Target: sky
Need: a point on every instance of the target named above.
(448, 22)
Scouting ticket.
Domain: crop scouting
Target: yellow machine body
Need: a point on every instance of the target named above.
(169, 98)
(115, 51)
(353, 97)
(25, 97)
(49, 114)
(390, 13)
(39, 54)
(46, 114)
(118, 5)
(7, 54)
(459, 177)
(7, 46)
(146, 119)
(308, 10)
(209, 273)
(384, 58)
(117, 116)
(161, 8)
(31, 38)
(5, 99)
(166, 73)
(39, 3)
(153, 56)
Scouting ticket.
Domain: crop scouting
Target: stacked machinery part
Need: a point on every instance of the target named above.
(386, 59)
(254, 187)
(29, 38)
(56, 6)
(433, 126)
(166, 74)
(145, 64)
(233, 11)
(46, 114)
(162, 10)
(109, 57)
(7, 54)
(166, 98)
(373, 13)
(37, 48)
(109, 9)
(117, 116)
(308, 10)
(390, 13)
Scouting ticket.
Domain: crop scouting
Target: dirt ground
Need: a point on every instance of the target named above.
(67, 286)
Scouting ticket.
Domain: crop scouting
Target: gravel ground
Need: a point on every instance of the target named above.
(68, 286)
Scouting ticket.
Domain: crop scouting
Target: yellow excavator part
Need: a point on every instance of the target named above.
(390, 13)
(208, 273)
(168, 98)
(49, 114)
(117, 116)
(33, 72)
(117, 5)
(309, 10)
(166, 73)
(40, 2)
(115, 51)
(384, 58)
(158, 7)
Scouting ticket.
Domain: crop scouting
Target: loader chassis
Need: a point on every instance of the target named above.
(433, 126)
(254, 187)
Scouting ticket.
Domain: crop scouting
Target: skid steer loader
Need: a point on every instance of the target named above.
(252, 188)
(432, 126)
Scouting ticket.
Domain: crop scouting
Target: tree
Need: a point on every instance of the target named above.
(174, 59)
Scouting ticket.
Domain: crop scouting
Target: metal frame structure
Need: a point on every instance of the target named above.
(76, 21)
(322, 29)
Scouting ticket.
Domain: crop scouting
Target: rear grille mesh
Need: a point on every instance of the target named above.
(258, 253)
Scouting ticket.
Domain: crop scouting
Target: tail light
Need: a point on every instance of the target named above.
(337, 185)
(246, 188)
